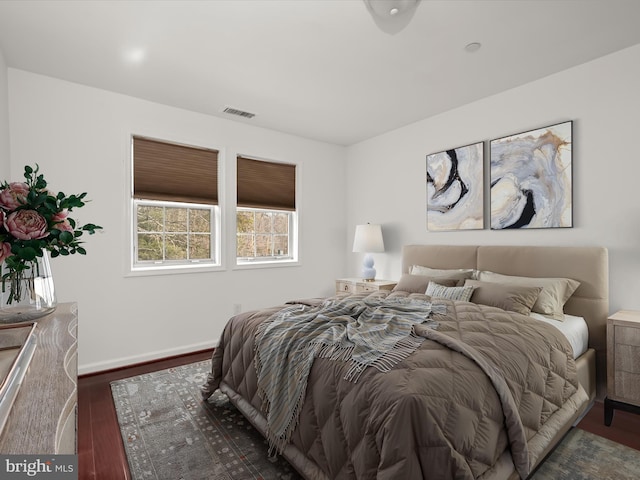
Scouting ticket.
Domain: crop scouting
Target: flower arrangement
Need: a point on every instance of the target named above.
(34, 219)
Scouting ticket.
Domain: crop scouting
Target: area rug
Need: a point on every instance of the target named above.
(584, 456)
(169, 433)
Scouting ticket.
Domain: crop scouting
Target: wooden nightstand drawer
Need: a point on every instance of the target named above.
(369, 288)
(627, 385)
(627, 358)
(343, 286)
(626, 335)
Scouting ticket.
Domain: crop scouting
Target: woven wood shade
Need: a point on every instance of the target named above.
(177, 173)
(266, 185)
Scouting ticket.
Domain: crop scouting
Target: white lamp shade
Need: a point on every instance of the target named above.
(368, 239)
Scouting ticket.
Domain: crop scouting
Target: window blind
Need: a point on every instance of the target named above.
(263, 184)
(171, 172)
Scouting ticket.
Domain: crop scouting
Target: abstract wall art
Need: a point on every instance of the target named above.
(531, 179)
(455, 189)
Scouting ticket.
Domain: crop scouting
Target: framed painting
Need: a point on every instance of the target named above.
(455, 189)
(531, 179)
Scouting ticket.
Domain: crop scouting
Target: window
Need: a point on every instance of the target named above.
(175, 205)
(263, 234)
(170, 232)
(266, 219)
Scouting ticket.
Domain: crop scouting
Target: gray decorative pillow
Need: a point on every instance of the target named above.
(418, 283)
(513, 298)
(450, 293)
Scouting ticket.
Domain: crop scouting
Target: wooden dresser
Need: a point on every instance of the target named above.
(43, 418)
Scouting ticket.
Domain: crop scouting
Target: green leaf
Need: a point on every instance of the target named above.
(66, 237)
(51, 204)
(28, 253)
(91, 228)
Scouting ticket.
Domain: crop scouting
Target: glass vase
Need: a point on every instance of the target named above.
(28, 294)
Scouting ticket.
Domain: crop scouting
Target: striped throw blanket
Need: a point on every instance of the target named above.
(369, 331)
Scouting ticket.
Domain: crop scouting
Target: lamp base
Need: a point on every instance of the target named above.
(368, 272)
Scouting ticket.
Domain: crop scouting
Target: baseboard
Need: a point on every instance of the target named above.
(97, 367)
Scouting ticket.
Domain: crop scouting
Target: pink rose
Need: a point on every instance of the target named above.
(1, 218)
(26, 225)
(14, 195)
(60, 216)
(5, 250)
(64, 226)
(60, 221)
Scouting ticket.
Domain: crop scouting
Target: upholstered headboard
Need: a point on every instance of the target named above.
(588, 265)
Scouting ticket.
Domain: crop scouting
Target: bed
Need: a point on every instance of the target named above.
(480, 392)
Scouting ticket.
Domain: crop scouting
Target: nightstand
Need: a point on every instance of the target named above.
(623, 364)
(358, 285)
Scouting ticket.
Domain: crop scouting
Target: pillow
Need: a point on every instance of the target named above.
(459, 273)
(513, 298)
(555, 291)
(450, 293)
(418, 283)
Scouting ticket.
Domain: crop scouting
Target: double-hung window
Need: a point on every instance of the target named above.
(175, 205)
(266, 218)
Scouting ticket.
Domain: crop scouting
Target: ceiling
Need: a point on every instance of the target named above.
(324, 69)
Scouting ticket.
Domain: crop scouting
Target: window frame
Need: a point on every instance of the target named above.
(214, 244)
(291, 257)
(131, 267)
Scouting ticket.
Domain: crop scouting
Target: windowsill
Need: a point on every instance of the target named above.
(266, 264)
(172, 270)
(186, 269)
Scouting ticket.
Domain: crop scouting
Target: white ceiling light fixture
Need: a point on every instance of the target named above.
(390, 8)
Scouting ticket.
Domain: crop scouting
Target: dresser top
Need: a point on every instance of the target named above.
(42, 419)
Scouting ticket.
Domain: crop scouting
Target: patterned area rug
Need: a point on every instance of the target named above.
(584, 456)
(169, 433)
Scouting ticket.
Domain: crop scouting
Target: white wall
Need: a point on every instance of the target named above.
(4, 119)
(80, 138)
(387, 174)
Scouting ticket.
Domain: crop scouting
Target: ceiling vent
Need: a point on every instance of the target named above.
(240, 113)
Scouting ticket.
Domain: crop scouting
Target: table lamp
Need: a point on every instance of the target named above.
(368, 240)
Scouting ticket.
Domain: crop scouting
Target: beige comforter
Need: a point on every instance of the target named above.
(484, 383)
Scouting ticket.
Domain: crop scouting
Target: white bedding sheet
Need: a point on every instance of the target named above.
(574, 328)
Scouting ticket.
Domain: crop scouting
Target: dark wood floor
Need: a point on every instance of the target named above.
(100, 450)
(101, 453)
